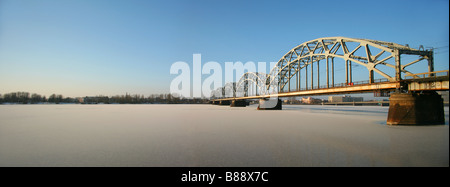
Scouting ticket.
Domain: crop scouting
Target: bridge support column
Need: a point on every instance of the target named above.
(270, 104)
(416, 109)
(238, 103)
(225, 102)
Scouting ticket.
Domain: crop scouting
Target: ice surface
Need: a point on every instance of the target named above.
(210, 135)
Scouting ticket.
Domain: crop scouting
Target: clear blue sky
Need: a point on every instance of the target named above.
(109, 47)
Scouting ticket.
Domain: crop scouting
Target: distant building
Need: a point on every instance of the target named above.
(310, 100)
(80, 99)
(292, 100)
(345, 99)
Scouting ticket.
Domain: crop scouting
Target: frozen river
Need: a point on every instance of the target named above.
(209, 135)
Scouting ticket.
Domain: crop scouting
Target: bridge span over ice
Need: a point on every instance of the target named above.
(314, 68)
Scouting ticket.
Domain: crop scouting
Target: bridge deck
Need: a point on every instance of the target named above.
(440, 83)
(326, 91)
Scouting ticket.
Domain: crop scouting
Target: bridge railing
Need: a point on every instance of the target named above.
(410, 76)
(359, 83)
(433, 74)
(380, 80)
(340, 85)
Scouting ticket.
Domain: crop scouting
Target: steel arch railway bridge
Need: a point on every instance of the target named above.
(314, 68)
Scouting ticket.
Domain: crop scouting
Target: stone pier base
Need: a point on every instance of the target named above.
(269, 104)
(238, 103)
(225, 102)
(415, 109)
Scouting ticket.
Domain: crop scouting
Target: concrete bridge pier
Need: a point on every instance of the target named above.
(225, 102)
(270, 104)
(416, 109)
(238, 103)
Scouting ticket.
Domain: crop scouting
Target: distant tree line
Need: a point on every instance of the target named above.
(141, 99)
(27, 98)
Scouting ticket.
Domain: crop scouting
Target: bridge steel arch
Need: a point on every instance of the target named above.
(230, 89)
(370, 54)
(248, 79)
(218, 93)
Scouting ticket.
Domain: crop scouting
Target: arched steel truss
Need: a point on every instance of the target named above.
(230, 89)
(308, 53)
(218, 93)
(370, 54)
(241, 88)
(252, 78)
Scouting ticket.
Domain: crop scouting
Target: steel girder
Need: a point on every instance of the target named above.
(361, 52)
(319, 49)
(252, 78)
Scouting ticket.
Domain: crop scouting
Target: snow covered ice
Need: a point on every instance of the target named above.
(210, 135)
